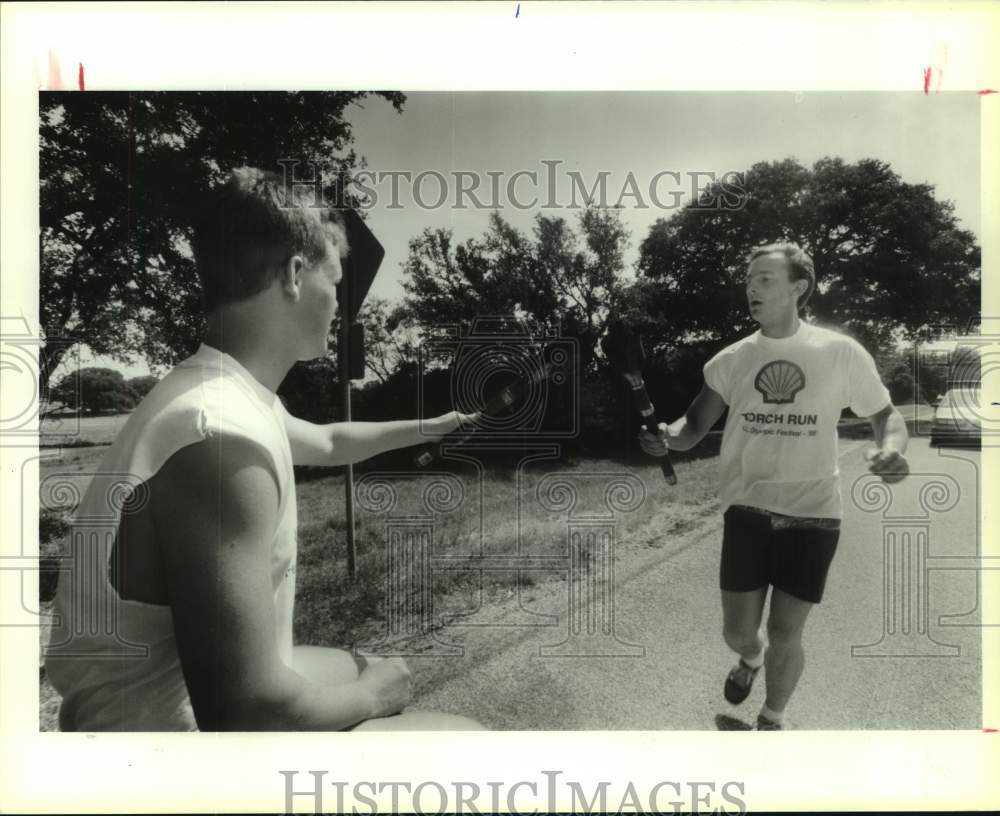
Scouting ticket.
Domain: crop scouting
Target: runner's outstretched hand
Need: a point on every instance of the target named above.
(890, 464)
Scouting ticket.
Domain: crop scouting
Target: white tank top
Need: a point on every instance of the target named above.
(115, 661)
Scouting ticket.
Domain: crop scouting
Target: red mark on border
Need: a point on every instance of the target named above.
(989, 730)
(55, 75)
(986, 92)
(927, 80)
(79, 77)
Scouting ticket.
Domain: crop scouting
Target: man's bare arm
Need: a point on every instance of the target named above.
(341, 443)
(683, 434)
(215, 505)
(892, 438)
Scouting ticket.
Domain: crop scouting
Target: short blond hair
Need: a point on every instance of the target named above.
(800, 265)
(248, 231)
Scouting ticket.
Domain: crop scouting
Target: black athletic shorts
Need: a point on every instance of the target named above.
(758, 550)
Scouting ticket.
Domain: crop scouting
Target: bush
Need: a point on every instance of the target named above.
(140, 386)
(94, 390)
(53, 527)
(310, 391)
(902, 386)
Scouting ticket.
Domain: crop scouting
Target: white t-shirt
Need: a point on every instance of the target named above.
(115, 661)
(779, 448)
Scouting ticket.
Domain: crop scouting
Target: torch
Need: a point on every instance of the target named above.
(623, 348)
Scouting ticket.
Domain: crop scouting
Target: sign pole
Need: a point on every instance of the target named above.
(361, 266)
(344, 376)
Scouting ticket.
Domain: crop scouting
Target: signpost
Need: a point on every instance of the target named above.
(359, 271)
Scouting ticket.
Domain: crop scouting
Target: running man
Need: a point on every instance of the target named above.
(785, 386)
(177, 613)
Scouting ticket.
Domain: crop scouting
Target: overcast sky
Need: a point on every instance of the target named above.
(926, 138)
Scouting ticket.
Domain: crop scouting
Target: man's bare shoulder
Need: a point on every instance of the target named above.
(219, 483)
(216, 506)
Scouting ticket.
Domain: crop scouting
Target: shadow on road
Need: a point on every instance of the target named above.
(726, 723)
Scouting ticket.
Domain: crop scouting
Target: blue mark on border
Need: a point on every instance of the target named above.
(518, 12)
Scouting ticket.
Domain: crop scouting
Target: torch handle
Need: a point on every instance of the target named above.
(665, 464)
(645, 408)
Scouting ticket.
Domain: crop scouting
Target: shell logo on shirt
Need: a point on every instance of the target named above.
(779, 381)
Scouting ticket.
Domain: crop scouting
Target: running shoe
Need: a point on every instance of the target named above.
(739, 682)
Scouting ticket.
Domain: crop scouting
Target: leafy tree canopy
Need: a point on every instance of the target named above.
(890, 258)
(558, 276)
(95, 390)
(121, 175)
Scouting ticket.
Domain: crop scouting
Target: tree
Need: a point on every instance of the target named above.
(586, 283)
(896, 370)
(121, 175)
(310, 390)
(556, 277)
(95, 390)
(449, 283)
(390, 342)
(890, 258)
(140, 386)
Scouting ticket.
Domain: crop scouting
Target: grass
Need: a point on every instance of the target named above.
(334, 610)
(73, 431)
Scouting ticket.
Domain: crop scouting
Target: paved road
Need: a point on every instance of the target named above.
(925, 676)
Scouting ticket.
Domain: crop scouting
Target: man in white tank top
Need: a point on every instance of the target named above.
(175, 612)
